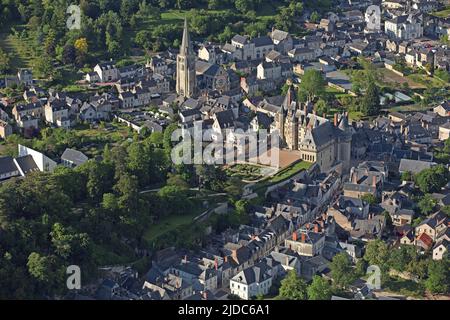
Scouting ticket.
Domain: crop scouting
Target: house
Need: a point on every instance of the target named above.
(251, 282)
(127, 99)
(404, 27)
(367, 178)
(28, 122)
(107, 72)
(25, 76)
(443, 109)
(30, 109)
(269, 71)
(44, 163)
(211, 54)
(8, 168)
(158, 65)
(433, 225)
(424, 241)
(444, 131)
(56, 112)
(368, 229)
(5, 129)
(282, 40)
(441, 249)
(308, 243)
(302, 54)
(72, 158)
(402, 217)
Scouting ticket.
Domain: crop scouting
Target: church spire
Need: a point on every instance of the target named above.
(186, 45)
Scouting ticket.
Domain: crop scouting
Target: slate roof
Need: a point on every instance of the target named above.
(74, 156)
(256, 274)
(27, 164)
(225, 119)
(7, 165)
(240, 39)
(262, 41)
(414, 166)
(279, 35)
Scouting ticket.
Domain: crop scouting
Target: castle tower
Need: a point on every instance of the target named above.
(186, 81)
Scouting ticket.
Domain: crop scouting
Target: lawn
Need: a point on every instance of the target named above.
(19, 52)
(95, 139)
(168, 224)
(282, 175)
(395, 80)
(404, 287)
(427, 81)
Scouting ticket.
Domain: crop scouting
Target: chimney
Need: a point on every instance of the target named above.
(335, 119)
(354, 178)
(294, 236)
(216, 264)
(303, 237)
(287, 260)
(374, 181)
(316, 228)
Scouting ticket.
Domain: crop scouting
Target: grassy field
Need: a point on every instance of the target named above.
(282, 175)
(19, 52)
(168, 224)
(395, 80)
(427, 81)
(404, 287)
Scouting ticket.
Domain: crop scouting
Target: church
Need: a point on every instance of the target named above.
(195, 75)
(318, 140)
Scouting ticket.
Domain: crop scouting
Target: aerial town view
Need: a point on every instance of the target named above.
(231, 150)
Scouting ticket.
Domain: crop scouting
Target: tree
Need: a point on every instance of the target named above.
(426, 204)
(4, 62)
(407, 176)
(341, 270)
(438, 275)
(319, 289)
(68, 244)
(293, 287)
(370, 103)
(39, 267)
(370, 199)
(81, 46)
(68, 54)
(377, 253)
(314, 17)
(322, 107)
(312, 85)
(433, 179)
